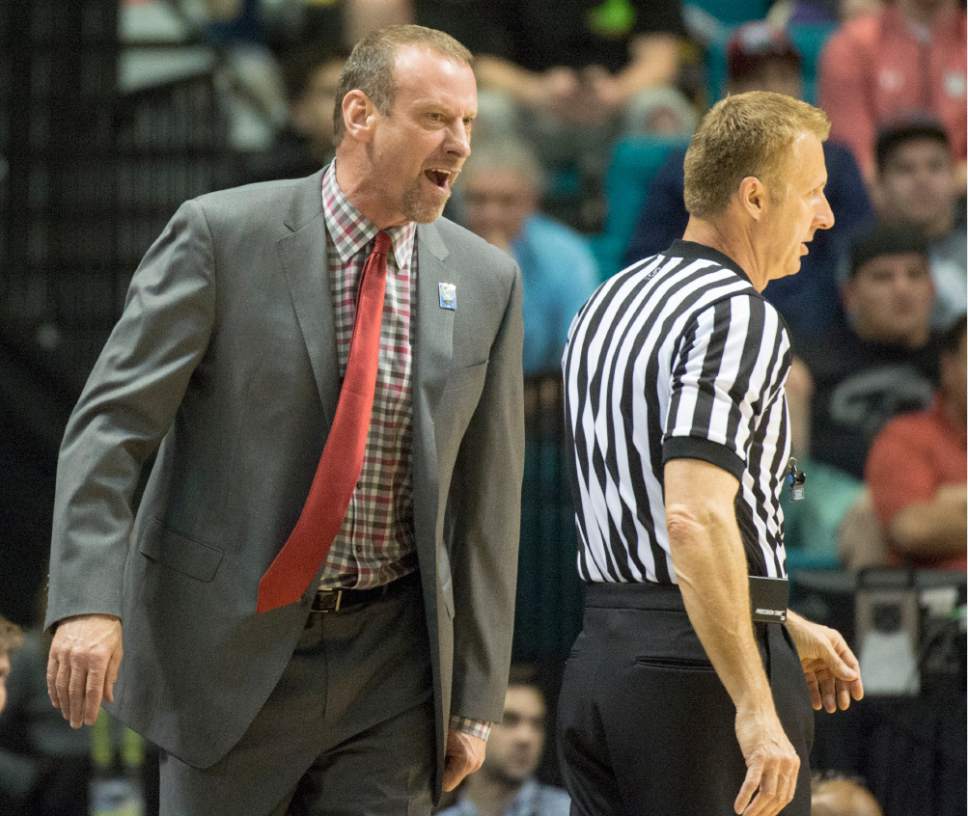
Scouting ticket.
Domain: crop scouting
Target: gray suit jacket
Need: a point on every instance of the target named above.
(225, 355)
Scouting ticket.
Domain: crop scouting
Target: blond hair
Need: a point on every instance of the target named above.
(369, 67)
(748, 134)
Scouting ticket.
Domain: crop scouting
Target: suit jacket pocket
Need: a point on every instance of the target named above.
(195, 559)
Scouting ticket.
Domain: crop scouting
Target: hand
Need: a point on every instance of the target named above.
(465, 754)
(85, 655)
(772, 764)
(830, 667)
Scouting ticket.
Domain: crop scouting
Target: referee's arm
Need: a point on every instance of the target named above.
(710, 564)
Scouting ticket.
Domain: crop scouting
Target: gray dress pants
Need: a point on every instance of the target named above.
(348, 731)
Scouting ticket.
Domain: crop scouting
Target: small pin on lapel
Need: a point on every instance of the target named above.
(447, 296)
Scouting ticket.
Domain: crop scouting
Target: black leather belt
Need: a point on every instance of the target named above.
(768, 597)
(339, 600)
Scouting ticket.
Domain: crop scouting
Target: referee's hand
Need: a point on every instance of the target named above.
(772, 763)
(831, 669)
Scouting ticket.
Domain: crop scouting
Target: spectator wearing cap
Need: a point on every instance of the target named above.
(763, 58)
(916, 185)
(916, 470)
(907, 57)
(501, 186)
(884, 361)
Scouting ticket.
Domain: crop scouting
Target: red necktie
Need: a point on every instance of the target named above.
(339, 466)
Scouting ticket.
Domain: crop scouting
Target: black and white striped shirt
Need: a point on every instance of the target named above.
(676, 356)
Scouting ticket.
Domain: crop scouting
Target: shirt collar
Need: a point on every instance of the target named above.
(351, 231)
(527, 799)
(526, 802)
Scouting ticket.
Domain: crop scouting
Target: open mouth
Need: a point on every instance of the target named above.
(440, 178)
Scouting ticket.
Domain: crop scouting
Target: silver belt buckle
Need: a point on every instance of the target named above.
(322, 610)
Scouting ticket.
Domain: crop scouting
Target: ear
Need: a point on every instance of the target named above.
(359, 115)
(753, 196)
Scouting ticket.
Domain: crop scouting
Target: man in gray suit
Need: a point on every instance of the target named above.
(375, 688)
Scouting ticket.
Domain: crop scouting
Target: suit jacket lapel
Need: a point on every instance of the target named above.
(302, 255)
(434, 330)
(433, 350)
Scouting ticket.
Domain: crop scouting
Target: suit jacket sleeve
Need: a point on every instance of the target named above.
(125, 409)
(487, 489)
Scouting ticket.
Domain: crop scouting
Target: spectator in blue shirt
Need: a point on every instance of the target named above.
(501, 187)
(505, 785)
(762, 58)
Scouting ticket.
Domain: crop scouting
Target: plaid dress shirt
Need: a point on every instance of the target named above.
(375, 544)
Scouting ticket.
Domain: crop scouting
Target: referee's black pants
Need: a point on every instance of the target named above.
(645, 726)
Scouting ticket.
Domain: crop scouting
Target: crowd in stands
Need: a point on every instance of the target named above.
(877, 313)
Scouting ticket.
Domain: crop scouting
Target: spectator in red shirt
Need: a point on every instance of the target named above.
(908, 57)
(916, 470)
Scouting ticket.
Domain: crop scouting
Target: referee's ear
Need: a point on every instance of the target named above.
(752, 197)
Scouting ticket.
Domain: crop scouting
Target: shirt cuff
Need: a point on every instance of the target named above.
(476, 728)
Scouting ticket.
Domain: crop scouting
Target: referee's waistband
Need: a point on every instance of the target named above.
(634, 596)
(768, 597)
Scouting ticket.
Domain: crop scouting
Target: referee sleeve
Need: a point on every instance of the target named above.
(730, 366)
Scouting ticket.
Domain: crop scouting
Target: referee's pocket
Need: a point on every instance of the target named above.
(688, 664)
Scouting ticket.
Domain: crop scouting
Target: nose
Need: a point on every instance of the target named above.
(459, 140)
(823, 216)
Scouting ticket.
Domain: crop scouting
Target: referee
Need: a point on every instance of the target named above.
(686, 694)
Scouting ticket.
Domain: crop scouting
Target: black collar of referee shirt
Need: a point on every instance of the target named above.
(690, 250)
